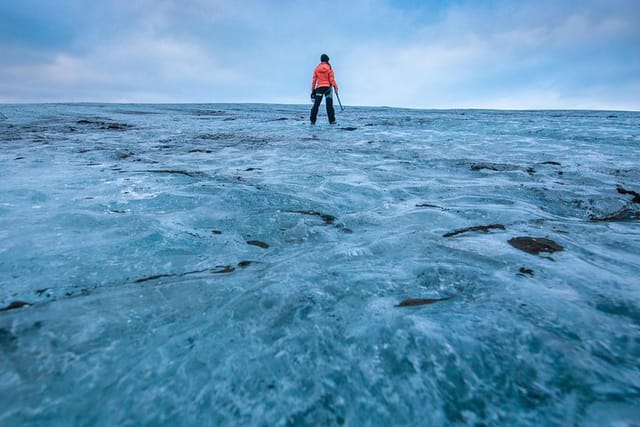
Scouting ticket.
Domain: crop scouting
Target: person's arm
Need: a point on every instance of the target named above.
(332, 79)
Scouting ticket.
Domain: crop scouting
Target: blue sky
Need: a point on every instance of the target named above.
(423, 54)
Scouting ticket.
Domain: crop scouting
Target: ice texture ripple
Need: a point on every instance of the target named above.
(233, 265)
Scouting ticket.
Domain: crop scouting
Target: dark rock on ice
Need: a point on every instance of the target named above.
(258, 243)
(525, 271)
(215, 136)
(177, 172)
(500, 167)
(220, 269)
(328, 219)
(14, 305)
(82, 292)
(535, 245)
(118, 126)
(153, 277)
(483, 228)
(412, 302)
(211, 113)
(104, 125)
(624, 214)
(636, 196)
(42, 291)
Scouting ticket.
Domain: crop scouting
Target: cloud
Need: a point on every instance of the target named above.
(385, 52)
(518, 56)
(116, 71)
(150, 56)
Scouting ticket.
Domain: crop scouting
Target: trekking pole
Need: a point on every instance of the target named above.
(338, 96)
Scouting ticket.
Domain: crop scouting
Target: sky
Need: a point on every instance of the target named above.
(518, 54)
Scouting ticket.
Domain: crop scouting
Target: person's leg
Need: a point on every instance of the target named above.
(331, 114)
(316, 105)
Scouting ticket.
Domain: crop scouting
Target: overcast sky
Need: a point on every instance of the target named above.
(404, 53)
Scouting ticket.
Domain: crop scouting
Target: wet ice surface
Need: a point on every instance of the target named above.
(233, 265)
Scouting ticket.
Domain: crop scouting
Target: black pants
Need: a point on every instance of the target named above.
(328, 94)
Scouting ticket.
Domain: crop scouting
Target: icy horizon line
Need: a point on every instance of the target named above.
(523, 109)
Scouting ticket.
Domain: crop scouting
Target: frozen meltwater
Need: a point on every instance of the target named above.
(234, 265)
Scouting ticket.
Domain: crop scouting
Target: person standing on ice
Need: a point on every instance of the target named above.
(321, 84)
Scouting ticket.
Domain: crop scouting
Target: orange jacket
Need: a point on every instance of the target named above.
(323, 77)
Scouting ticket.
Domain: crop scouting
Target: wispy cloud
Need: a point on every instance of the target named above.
(518, 57)
(530, 54)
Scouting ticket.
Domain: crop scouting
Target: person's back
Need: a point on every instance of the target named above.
(321, 85)
(323, 75)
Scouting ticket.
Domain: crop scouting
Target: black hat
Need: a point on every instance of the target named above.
(324, 58)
